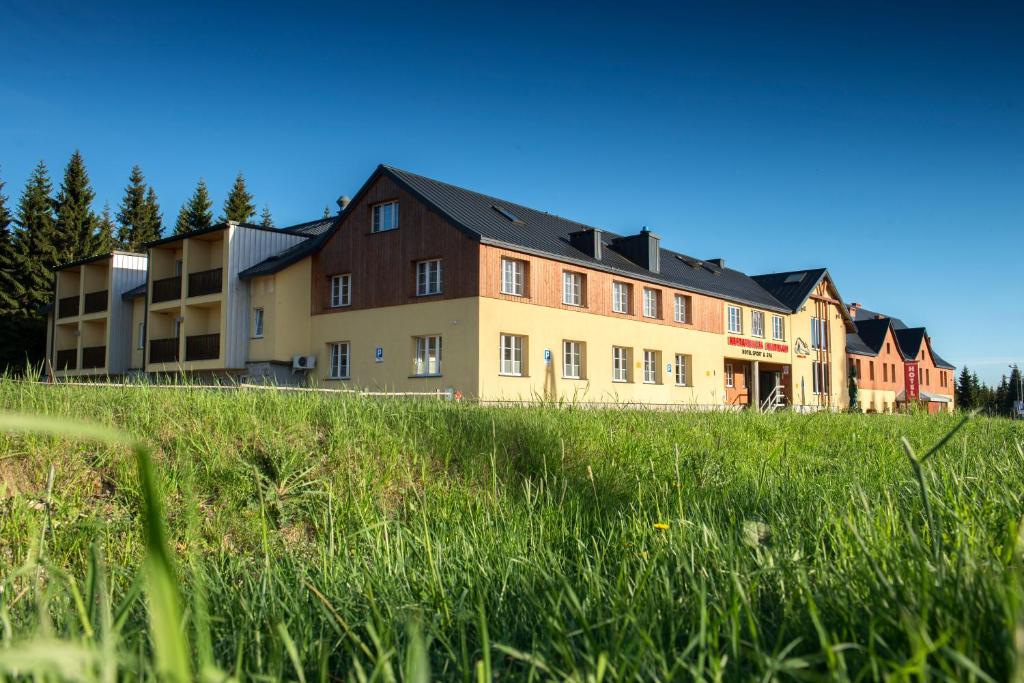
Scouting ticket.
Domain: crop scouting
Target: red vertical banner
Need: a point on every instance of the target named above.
(910, 380)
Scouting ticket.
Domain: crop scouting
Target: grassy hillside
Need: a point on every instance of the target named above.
(342, 538)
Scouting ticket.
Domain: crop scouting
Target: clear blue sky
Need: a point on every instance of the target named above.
(884, 141)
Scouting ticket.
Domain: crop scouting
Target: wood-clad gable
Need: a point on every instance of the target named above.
(383, 264)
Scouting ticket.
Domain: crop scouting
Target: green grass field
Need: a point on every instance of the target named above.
(317, 537)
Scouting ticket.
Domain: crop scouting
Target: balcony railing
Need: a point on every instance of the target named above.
(67, 359)
(94, 357)
(163, 350)
(67, 307)
(202, 347)
(95, 302)
(167, 289)
(205, 282)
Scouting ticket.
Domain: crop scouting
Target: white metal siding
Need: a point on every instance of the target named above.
(246, 248)
(128, 271)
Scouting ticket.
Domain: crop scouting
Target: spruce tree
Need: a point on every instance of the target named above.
(8, 266)
(238, 206)
(105, 240)
(75, 221)
(35, 244)
(153, 220)
(139, 214)
(195, 214)
(266, 221)
(965, 393)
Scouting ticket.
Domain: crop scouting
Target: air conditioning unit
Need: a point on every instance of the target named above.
(303, 362)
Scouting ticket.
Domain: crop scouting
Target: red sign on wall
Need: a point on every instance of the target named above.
(910, 380)
(755, 344)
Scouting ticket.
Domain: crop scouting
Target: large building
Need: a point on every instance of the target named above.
(421, 286)
(896, 365)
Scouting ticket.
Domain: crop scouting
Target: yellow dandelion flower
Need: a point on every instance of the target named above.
(660, 526)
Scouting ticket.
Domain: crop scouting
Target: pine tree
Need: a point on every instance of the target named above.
(35, 244)
(966, 392)
(195, 214)
(238, 206)
(265, 219)
(75, 221)
(139, 214)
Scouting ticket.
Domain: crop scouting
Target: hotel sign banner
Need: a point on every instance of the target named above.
(757, 347)
(910, 380)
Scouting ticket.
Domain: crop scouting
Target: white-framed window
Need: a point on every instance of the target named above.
(428, 277)
(778, 328)
(257, 323)
(572, 288)
(757, 323)
(341, 359)
(682, 308)
(650, 367)
(735, 318)
(142, 336)
(513, 277)
(650, 303)
(385, 216)
(730, 380)
(511, 349)
(820, 381)
(621, 295)
(819, 333)
(427, 359)
(572, 359)
(682, 369)
(620, 364)
(341, 290)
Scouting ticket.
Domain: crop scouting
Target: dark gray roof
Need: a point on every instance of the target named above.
(791, 288)
(941, 362)
(312, 228)
(134, 292)
(503, 223)
(910, 340)
(856, 345)
(872, 333)
(865, 314)
(318, 231)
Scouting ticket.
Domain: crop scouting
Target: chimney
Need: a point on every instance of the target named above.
(643, 249)
(854, 307)
(588, 241)
(720, 262)
(343, 201)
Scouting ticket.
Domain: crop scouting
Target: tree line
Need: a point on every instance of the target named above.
(47, 229)
(973, 394)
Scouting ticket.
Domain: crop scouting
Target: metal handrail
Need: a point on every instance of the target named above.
(775, 399)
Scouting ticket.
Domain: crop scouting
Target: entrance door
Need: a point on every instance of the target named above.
(769, 380)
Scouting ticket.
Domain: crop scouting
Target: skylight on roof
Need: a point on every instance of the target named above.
(794, 278)
(507, 214)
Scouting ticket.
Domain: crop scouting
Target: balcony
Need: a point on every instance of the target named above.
(95, 302)
(202, 347)
(67, 359)
(163, 350)
(94, 357)
(67, 307)
(167, 289)
(205, 282)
